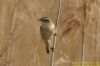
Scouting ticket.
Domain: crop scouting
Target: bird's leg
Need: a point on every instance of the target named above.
(52, 48)
(55, 32)
(51, 44)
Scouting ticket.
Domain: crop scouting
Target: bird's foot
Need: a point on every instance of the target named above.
(53, 49)
(55, 34)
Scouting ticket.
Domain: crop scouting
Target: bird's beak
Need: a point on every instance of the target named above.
(38, 19)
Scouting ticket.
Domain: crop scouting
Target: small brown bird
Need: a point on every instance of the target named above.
(47, 29)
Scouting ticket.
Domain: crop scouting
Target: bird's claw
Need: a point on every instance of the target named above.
(55, 34)
(52, 48)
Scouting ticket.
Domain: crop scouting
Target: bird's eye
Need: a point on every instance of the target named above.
(46, 20)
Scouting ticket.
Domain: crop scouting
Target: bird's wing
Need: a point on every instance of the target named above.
(45, 35)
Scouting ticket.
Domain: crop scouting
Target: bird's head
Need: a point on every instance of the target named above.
(44, 19)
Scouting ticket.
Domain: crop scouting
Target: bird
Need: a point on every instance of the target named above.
(47, 30)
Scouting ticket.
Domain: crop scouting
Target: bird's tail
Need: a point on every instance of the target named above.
(47, 47)
(48, 51)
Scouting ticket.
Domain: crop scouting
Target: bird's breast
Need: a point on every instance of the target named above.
(47, 30)
(49, 26)
(52, 26)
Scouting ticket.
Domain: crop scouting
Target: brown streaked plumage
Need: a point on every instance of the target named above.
(47, 29)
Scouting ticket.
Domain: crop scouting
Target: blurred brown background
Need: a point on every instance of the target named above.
(20, 40)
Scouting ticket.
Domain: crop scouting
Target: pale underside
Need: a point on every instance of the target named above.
(47, 31)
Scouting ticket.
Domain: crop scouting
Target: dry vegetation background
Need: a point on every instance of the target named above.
(20, 40)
